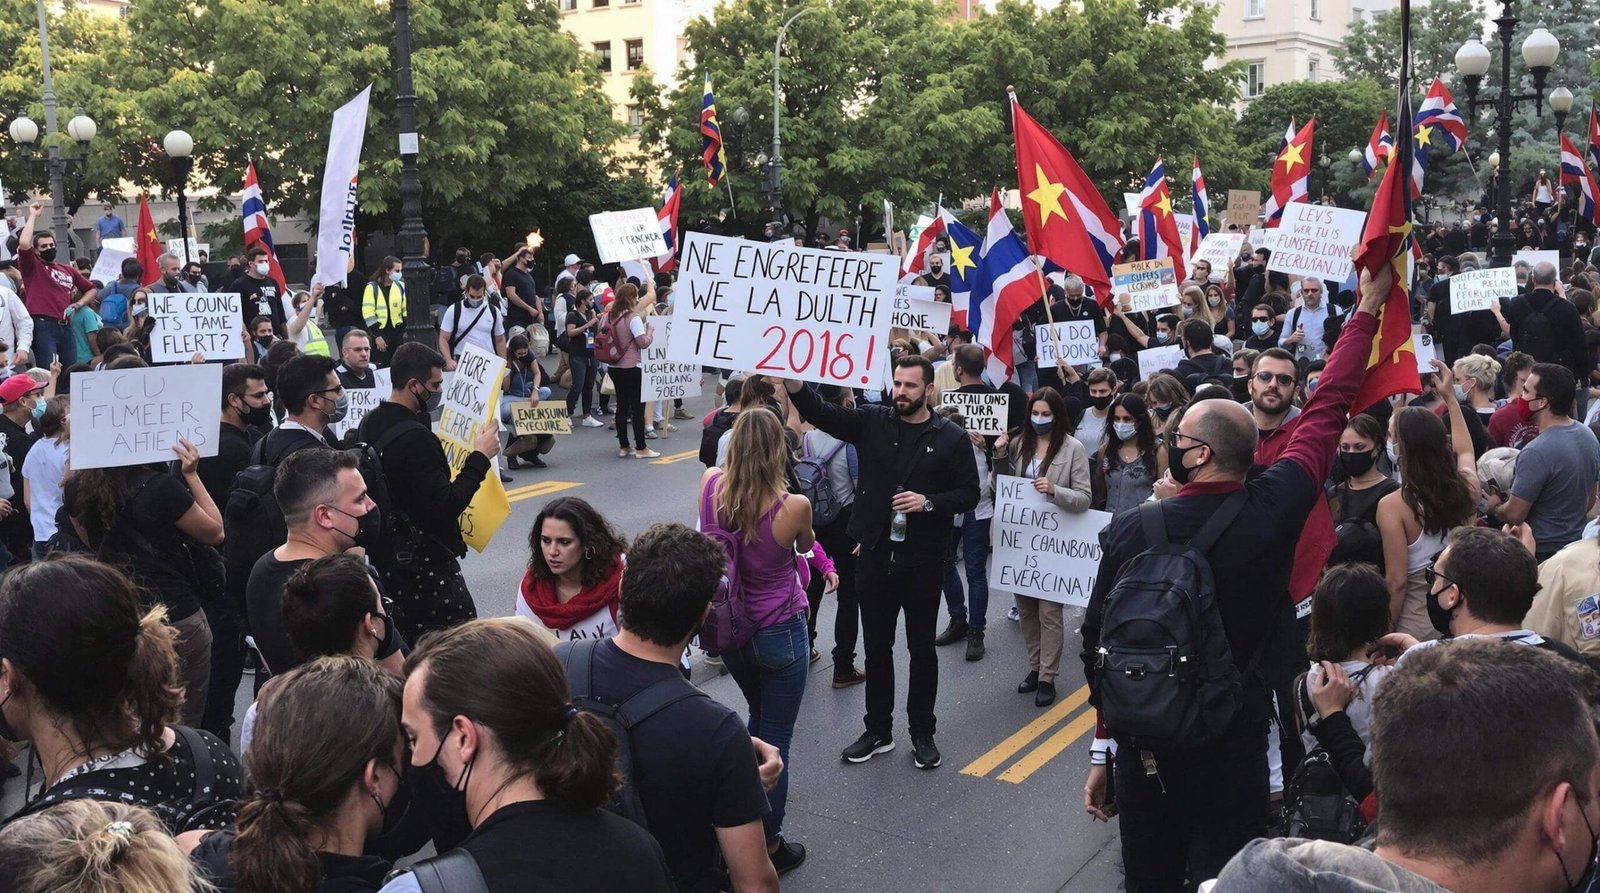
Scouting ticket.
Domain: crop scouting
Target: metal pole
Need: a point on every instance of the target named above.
(1504, 246)
(777, 114)
(413, 235)
(53, 162)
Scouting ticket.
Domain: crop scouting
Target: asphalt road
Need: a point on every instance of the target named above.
(1003, 812)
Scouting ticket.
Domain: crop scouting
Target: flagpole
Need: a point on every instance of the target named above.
(732, 209)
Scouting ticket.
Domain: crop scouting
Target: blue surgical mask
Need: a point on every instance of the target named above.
(1042, 423)
(1260, 328)
(38, 408)
(1188, 311)
(1461, 394)
(1394, 454)
(1161, 337)
(1124, 430)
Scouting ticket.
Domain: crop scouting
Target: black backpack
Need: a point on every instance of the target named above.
(1538, 336)
(720, 424)
(1316, 804)
(622, 718)
(1165, 675)
(446, 284)
(815, 484)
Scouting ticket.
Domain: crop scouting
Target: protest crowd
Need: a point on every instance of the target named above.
(1326, 548)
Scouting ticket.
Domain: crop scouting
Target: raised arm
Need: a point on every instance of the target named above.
(842, 423)
(1316, 437)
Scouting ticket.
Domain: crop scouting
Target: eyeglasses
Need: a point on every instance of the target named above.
(1178, 434)
(1282, 378)
(336, 389)
(1429, 576)
(1261, 319)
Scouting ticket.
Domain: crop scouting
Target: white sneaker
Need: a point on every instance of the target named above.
(590, 421)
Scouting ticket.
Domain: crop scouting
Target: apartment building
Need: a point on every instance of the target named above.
(1288, 40)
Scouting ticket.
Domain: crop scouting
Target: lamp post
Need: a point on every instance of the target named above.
(180, 150)
(776, 161)
(413, 235)
(1324, 162)
(26, 134)
(1539, 53)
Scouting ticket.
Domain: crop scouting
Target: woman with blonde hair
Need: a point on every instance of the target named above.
(1476, 376)
(749, 499)
(86, 846)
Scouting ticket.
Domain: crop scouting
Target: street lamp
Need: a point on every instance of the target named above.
(1539, 53)
(180, 150)
(413, 235)
(777, 114)
(26, 134)
(1355, 156)
(1560, 103)
(1323, 162)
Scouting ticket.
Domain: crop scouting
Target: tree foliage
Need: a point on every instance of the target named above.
(1345, 113)
(1372, 49)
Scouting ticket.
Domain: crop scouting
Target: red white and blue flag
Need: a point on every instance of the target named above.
(1380, 146)
(1005, 283)
(1594, 138)
(915, 261)
(1439, 116)
(964, 248)
(257, 229)
(711, 138)
(1291, 173)
(1158, 228)
(1202, 204)
(1576, 173)
(668, 216)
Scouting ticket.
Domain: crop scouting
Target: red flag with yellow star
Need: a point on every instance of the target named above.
(1291, 175)
(1065, 218)
(1386, 242)
(146, 244)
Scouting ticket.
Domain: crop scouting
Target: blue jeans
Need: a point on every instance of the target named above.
(1028, 376)
(973, 537)
(582, 369)
(771, 671)
(52, 339)
(507, 399)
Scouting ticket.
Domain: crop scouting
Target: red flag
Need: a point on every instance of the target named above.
(1066, 219)
(1386, 243)
(1291, 175)
(146, 244)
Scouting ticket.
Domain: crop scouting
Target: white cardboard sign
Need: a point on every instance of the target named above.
(189, 323)
(915, 309)
(982, 413)
(1154, 359)
(1040, 549)
(1149, 284)
(664, 379)
(363, 401)
(134, 416)
(627, 235)
(1079, 345)
(1478, 289)
(1315, 240)
(1220, 250)
(782, 310)
(108, 266)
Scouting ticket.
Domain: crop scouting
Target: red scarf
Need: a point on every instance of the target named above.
(541, 598)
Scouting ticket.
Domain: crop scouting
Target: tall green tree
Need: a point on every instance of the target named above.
(1438, 28)
(1345, 112)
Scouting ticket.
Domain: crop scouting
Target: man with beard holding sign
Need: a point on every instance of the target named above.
(917, 474)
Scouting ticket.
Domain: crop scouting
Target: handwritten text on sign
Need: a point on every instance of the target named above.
(1154, 359)
(133, 416)
(664, 379)
(801, 313)
(627, 235)
(1220, 250)
(1478, 289)
(190, 323)
(981, 413)
(1148, 284)
(915, 309)
(1041, 549)
(362, 401)
(1075, 340)
(470, 399)
(1315, 240)
(529, 420)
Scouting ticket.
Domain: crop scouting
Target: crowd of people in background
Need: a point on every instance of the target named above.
(1399, 638)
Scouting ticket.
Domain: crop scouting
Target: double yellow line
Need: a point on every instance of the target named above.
(1047, 750)
(543, 488)
(675, 457)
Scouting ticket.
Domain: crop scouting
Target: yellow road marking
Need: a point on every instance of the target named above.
(675, 457)
(525, 488)
(544, 488)
(1050, 749)
(1013, 744)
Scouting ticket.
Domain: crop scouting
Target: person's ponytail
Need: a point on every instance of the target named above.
(154, 690)
(272, 852)
(579, 769)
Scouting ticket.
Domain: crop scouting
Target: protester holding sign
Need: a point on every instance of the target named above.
(627, 335)
(524, 381)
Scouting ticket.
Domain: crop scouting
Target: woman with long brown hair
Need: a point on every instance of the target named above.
(633, 335)
(325, 766)
(573, 584)
(749, 498)
(1058, 467)
(496, 741)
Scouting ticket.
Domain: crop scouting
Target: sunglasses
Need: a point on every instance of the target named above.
(1431, 576)
(1260, 319)
(1267, 378)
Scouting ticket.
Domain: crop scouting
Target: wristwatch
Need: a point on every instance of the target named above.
(927, 504)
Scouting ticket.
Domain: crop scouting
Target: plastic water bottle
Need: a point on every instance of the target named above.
(897, 525)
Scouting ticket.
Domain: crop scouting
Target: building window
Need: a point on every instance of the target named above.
(1316, 10)
(635, 54)
(1255, 78)
(603, 50)
(569, 5)
(1313, 69)
(1255, 9)
(635, 119)
(1357, 14)
(601, 4)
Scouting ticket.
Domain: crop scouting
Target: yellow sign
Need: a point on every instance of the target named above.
(527, 419)
(489, 507)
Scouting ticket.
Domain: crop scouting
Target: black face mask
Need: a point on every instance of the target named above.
(1175, 466)
(258, 416)
(48, 255)
(369, 528)
(1438, 615)
(1356, 464)
(396, 810)
(1101, 402)
(444, 803)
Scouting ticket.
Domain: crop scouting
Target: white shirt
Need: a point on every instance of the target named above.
(44, 469)
(482, 328)
(1311, 346)
(16, 326)
(598, 625)
(1360, 708)
(1091, 430)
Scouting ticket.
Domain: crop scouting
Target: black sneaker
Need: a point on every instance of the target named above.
(867, 747)
(537, 462)
(1028, 683)
(975, 644)
(1046, 695)
(954, 632)
(923, 752)
(788, 856)
(513, 463)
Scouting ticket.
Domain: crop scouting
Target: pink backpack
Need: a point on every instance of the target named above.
(728, 626)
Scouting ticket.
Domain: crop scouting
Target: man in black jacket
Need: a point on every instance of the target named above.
(917, 469)
(422, 574)
(1547, 327)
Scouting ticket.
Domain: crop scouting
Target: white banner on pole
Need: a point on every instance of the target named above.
(1040, 549)
(134, 416)
(627, 235)
(336, 222)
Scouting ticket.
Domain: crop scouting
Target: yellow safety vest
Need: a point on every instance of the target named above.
(386, 313)
(316, 345)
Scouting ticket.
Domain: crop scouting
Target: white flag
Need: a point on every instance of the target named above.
(336, 227)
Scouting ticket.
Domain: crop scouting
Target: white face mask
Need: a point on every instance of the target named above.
(262, 268)
(1124, 430)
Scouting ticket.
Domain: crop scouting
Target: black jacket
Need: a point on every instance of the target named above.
(418, 475)
(1570, 351)
(945, 473)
